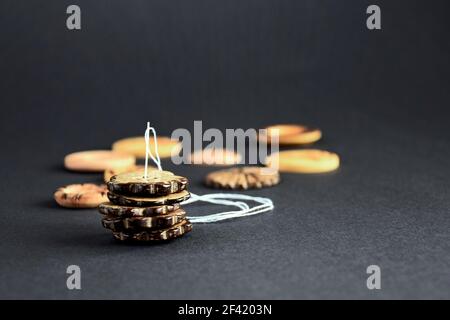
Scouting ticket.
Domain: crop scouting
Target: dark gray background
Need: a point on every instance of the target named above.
(380, 97)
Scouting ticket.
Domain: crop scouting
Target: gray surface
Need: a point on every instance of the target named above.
(380, 98)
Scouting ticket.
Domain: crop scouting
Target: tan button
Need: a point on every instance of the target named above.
(218, 157)
(157, 183)
(290, 134)
(114, 171)
(98, 160)
(304, 161)
(86, 195)
(243, 178)
(136, 146)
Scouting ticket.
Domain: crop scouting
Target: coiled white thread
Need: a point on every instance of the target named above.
(226, 199)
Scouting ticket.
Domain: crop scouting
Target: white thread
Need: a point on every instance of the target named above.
(148, 150)
(216, 198)
(146, 138)
(155, 140)
(265, 205)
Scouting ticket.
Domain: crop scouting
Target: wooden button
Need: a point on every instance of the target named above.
(304, 161)
(218, 157)
(98, 160)
(136, 146)
(157, 183)
(85, 195)
(148, 202)
(141, 223)
(243, 178)
(291, 134)
(113, 210)
(173, 232)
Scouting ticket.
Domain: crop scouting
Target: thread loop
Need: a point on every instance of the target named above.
(226, 199)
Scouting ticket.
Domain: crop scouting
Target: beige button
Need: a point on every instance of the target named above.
(304, 161)
(85, 195)
(136, 146)
(98, 160)
(290, 134)
(218, 157)
(114, 171)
